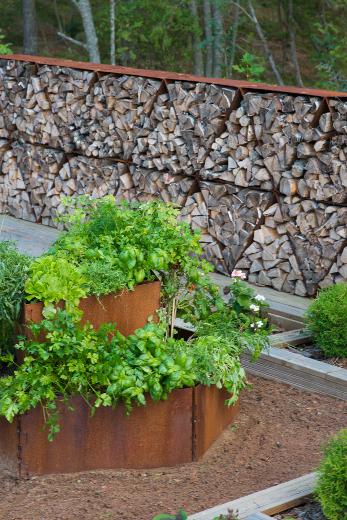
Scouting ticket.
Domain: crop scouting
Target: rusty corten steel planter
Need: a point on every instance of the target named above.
(130, 310)
(164, 433)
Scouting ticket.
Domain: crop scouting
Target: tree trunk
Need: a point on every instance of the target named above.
(112, 32)
(208, 37)
(234, 36)
(29, 27)
(263, 40)
(217, 40)
(197, 52)
(291, 29)
(85, 10)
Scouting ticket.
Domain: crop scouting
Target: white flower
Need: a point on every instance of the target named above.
(260, 298)
(238, 274)
(252, 325)
(254, 308)
(259, 324)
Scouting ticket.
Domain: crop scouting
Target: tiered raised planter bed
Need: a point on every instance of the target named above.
(162, 433)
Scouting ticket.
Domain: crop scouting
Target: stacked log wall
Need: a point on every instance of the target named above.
(262, 174)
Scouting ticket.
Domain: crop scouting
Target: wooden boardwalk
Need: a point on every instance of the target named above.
(34, 239)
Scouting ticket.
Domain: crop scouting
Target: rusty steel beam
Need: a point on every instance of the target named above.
(165, 75)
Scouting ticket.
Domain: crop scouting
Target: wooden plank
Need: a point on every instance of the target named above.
(299, 371)
(284, 322)
(33, 239)
(259, 516)
(269, 501)
(290, 337)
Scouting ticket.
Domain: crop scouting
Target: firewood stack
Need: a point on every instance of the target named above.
(151, 184)
(262, 176)
(13, 190)
(183, 125)
(80, 175)
(338, 271)
(269, 260)
(66, 92)
(114, 114)
(25, 105)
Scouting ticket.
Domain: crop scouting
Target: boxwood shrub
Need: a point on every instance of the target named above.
(326, 318)
(332, 480)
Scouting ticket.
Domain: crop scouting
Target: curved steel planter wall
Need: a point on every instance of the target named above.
(162, 433)
(130, 310)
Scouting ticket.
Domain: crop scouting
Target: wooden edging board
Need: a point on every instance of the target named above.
(269, 501)
(299, 371)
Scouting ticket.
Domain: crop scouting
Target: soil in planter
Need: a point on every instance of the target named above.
(314, 352)
(311, 510)
(277, 437)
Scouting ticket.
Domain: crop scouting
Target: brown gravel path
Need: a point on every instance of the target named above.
(277, 437)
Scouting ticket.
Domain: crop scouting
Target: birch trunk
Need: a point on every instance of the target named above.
(197, 52)
(29, 27)
(85, 10)
(112, 32)
(218, 39)
(208, 37)
(263, 40)
(234, 36)
(291, 29)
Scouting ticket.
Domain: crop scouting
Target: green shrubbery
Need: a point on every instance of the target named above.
(13, 272)
(326, 318)
(332, 480)
(106, 249)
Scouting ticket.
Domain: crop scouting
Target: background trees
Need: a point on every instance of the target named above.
(299, 42)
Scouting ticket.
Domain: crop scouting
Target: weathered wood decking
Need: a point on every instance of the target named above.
(30, 238)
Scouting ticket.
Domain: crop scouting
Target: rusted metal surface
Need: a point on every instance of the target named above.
(9, 445)
(172, 76)
(164, 433)
(211, 417)
(130, 310)
(158, 434)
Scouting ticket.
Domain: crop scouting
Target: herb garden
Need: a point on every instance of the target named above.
(94, 367)
(67, 362)
(173, 296)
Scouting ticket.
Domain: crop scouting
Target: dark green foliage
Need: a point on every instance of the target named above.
(13, 272)
(181, 515)
(332, 478)
(77, 359)
(326, 318)
(108, 248)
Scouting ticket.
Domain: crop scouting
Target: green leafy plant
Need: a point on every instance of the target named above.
(113, 247)
(250, 67)
(331, 489)
(326, 318)
(102, 366)
(181, 515)
(14, 268)
(108, 248)
(5, 48)
(53, 279)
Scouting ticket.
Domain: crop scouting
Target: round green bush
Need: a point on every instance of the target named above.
(331, 489)
(326, 318)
